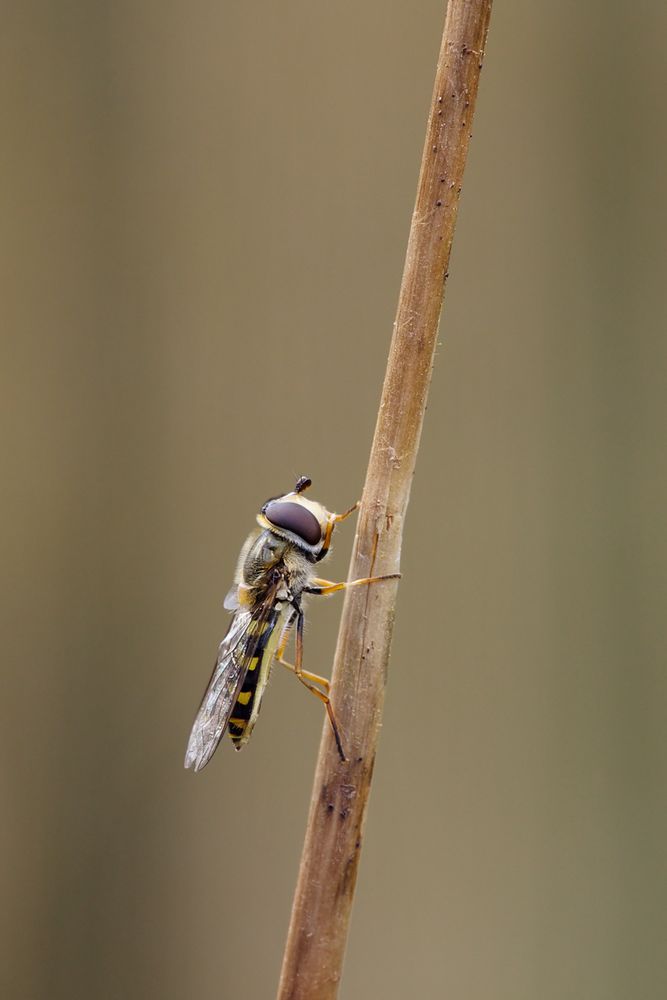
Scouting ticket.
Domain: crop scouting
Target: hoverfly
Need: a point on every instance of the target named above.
(275, 569)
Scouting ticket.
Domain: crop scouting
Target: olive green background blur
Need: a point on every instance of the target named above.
(205, 209)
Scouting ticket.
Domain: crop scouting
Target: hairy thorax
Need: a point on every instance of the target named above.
(268, 557)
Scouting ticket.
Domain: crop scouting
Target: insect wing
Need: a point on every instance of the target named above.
(235, 653)
(231, 602)
(220, 695)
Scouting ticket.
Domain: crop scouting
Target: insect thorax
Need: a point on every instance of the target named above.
(269, 553)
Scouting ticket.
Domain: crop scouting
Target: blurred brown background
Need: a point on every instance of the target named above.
(204, 214)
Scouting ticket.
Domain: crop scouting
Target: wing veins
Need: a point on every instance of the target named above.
(226, 682)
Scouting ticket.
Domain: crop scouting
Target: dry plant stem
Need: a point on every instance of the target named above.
(320, 915)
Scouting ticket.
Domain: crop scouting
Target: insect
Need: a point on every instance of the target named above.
(275, 569)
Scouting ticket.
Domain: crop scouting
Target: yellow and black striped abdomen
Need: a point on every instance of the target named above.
(260, 646)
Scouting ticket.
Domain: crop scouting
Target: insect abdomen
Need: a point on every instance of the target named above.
(262, 647)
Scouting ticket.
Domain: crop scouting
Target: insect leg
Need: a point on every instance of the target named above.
(309, 680)
(315, 678)
(279, 658)
(282, 646)
(323, 587)
(333, 521)
(341, 517)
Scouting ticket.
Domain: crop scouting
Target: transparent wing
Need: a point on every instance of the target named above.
(221, 694)
(231, 602)
(235, 653)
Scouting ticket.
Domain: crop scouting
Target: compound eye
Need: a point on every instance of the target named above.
(295, 518)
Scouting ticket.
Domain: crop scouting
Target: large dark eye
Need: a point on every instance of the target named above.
(295, 518)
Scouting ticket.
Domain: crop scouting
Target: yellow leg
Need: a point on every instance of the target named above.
(314, 678)
(341, 517)
(278, 655)
(323, 587)
(310, 680)
(334, 519)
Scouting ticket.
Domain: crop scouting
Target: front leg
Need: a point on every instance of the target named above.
(334, 519)
(323, 587)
